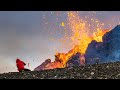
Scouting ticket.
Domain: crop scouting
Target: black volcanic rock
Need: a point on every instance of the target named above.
(108, 50)
(109, 70)
(74, 60)
(92, 55)
(114, 33)
(111, 44)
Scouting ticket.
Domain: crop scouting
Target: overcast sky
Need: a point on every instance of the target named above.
(28, 35)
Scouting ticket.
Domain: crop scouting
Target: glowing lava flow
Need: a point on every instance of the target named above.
(80, 39)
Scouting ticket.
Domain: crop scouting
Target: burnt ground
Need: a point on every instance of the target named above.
(97, 71)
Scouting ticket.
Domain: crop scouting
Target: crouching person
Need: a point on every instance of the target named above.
(20, 65)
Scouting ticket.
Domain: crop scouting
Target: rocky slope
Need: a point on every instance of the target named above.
(96, 71)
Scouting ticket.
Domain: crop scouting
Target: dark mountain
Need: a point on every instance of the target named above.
(108, 50)
(92, 54)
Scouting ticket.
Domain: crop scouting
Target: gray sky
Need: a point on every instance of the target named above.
(27, 35)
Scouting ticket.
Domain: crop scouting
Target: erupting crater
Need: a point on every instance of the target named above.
(80, 40)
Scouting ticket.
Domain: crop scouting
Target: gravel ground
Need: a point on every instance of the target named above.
(96, 71)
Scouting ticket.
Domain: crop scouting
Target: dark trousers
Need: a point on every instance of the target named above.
(25, 70)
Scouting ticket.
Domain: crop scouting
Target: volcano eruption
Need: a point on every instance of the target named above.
(99, 47)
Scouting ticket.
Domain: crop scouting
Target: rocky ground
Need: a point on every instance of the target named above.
(97, 71)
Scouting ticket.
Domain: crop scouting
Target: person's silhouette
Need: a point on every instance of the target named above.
(20, 65)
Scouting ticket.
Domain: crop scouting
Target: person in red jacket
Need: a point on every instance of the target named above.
(20, 65)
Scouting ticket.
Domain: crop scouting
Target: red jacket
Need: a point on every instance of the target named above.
(20, 65)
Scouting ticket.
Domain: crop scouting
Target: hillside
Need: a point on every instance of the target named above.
(96, 71)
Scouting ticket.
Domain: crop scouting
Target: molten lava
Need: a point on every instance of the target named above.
(80, 39)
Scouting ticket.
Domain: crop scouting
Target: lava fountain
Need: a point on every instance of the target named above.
(80, 39)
